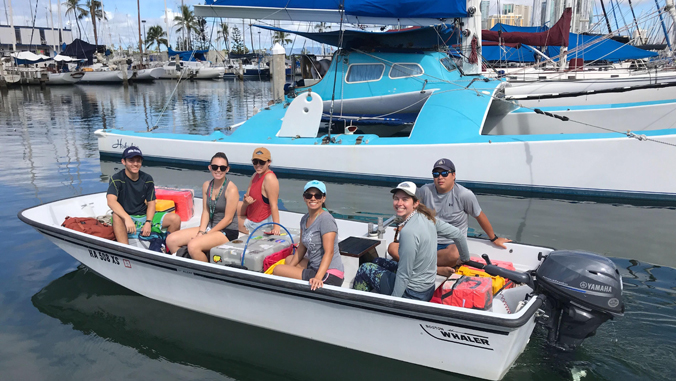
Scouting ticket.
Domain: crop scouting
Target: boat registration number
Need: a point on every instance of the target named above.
(104, 256)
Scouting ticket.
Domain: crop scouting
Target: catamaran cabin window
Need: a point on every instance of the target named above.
(364, 73)
(448, 63)
(405, 70)
(172, 63)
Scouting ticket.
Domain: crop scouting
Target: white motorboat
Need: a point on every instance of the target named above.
(102, 74)
(191, 70)
(577, 292)
(148, 74)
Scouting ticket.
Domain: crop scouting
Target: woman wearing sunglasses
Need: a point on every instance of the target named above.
(259, 204)
(414, 276)
(218, 223)
(318, 243)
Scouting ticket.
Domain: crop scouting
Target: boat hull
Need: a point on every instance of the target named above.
(149, 74)
(437, 336)
(64, 78)
(573, 165)
(113, 76)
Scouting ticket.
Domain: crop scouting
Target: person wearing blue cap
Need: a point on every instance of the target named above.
(317, 259)
(131, 197)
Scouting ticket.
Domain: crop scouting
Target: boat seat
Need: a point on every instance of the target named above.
(354, 251)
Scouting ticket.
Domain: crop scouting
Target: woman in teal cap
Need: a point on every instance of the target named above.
(317, 259)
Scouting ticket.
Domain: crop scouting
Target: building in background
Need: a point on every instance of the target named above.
(548, 12)
(38, 40)
(510, 19)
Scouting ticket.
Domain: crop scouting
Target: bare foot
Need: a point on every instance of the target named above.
(445, 271)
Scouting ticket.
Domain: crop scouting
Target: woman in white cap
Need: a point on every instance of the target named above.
(414, 275)
(318, 243)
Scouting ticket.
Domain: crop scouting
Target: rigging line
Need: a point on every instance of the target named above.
(166, 104)
(335, 72)
(628, 133)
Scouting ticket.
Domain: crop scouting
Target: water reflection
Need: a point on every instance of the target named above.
(92, 305)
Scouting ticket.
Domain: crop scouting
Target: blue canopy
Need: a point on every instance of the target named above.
(606, 50)
(506, 53)
(357, 11)
(410, 39)
(188, 55)
(512, 28)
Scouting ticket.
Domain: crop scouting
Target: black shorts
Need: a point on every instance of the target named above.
(329, 279)
(230, 234)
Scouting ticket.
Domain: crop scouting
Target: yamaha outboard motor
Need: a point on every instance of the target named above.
(583, 291)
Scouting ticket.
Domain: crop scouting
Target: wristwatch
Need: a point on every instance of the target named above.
(495, 238)
(148, 222)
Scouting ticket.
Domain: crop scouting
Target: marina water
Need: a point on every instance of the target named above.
(60, 321)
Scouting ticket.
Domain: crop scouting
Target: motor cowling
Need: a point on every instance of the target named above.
(583, 291)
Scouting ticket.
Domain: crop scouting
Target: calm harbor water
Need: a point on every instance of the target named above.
(60, 321)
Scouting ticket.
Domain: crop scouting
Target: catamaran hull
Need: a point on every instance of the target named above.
(557, 164)
(450, 339)
(525, 121)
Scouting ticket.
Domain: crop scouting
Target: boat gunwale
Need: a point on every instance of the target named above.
(393, 306)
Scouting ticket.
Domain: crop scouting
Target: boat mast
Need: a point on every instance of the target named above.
(51, 17)
(664, 28)
(636, 23)
(140, 41)
(60, 26)
(11, 24)
(166, 22)
(471, 39)
(603, 7)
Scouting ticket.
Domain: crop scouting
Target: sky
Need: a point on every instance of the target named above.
(121, 29)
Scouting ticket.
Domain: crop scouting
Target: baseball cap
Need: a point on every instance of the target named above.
(444, 164)
(315, 184)
(261, 153)
(408, 187)
(131, 151)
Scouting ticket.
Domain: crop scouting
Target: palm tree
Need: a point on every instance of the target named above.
(156, 36)
(96, 11)
(281, 37)
(322, 27)
(224, 34)
(74, 8)
(186, 21)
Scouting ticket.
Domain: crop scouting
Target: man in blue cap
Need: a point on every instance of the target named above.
(131, 196)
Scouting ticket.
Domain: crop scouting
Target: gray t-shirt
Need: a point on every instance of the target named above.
(312, 240)
(451, 207)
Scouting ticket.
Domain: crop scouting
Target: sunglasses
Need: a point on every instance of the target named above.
(258, 162)
(215, 167)
(442, 174)
(309, 196)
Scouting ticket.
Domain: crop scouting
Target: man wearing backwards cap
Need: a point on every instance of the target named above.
(453, 203)
(131, 196)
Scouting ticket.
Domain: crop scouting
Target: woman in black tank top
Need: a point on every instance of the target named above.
(218, 223)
